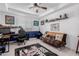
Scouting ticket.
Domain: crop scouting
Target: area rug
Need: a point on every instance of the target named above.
(33, 50)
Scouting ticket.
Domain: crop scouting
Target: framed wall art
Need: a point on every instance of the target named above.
(9, 19)
(36, 23)
(46, 20)
(42, 22)
(55, 27)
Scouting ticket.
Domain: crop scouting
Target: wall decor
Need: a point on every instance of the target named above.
(61, 17)
(46, 20)
(42, 22)
(55, 27)
(36, 23)
(65, 15)
(9, 19)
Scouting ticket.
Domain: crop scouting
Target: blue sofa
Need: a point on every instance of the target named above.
(30, 34)
(34, 34)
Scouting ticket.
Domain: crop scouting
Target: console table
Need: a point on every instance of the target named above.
(5, 40)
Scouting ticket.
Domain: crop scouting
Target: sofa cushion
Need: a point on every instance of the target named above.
(49, 38)
(56, 43)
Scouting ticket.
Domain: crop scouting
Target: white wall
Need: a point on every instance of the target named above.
(69, 26)
(26, 21)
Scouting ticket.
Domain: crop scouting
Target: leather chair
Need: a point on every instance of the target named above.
(51, 39)
(21, 36)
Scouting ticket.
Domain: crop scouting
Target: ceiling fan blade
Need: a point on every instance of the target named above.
(36, 5)
(44, 8)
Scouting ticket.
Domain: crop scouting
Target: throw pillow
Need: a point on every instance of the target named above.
(48, 38)
(59, 37)
(52, 39)
(44, 35)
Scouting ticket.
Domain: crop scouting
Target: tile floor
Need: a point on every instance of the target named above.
(60, 51)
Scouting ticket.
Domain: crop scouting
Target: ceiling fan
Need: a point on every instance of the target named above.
(38, 5)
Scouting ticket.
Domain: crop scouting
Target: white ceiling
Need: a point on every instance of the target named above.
(25, 7)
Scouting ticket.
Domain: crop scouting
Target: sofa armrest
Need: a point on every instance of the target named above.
(64, 38)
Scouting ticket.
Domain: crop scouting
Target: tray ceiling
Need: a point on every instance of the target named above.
(25, 7)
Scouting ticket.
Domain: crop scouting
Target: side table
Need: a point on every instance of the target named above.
(77, 49)
(5, 39)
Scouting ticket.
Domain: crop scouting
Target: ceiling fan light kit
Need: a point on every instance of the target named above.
(36, 10)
